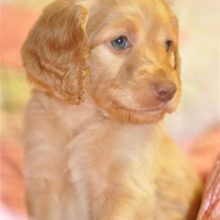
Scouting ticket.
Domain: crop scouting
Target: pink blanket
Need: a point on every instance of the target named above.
(210, 208)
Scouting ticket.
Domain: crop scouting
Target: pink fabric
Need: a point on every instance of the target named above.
(12, 187)
(203, 151)
(210, 208)
(13, 30)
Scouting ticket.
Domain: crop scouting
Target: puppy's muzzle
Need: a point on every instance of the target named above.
(164, 91)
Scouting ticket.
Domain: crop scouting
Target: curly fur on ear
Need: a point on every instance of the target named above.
(175, 23)
(55, 53)
(176, 50)
(177, 60)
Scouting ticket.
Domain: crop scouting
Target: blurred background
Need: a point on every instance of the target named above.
(195, 125)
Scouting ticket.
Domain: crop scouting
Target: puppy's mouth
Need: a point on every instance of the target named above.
(140, 116)
(118, 111)
(149, 109)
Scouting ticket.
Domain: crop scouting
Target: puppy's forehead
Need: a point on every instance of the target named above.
(149, 12)
(132, 7)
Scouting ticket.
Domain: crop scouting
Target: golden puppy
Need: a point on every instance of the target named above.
(104, 73)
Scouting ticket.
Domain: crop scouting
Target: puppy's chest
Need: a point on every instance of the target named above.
(103, 154)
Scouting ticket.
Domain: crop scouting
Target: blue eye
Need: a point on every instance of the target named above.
(120, 43)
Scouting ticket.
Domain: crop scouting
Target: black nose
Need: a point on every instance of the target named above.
(165, 91)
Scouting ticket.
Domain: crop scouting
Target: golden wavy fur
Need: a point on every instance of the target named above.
(104, 73)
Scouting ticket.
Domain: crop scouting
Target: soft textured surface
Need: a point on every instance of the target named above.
(210, 208)
(12, 181)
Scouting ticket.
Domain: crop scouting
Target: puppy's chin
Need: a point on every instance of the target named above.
(120, 113)
(135, 116)
(138, 113)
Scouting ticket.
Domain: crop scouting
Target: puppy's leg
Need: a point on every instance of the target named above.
(41, 200)
(48, 200)
(47, 187)
(178, 188)
(45, 162)
(124, 206)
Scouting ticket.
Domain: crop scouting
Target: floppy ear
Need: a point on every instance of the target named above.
(176, 49)
(177, 59)
(56, 51)
(175, 24)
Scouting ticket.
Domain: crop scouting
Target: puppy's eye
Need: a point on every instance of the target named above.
(120, 43)
(168, 45)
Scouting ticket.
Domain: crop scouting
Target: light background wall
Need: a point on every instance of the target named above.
(200, 52)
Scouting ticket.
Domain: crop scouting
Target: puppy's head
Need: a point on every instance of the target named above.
(122, 54)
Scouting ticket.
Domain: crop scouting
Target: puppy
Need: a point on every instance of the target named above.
(105, 72)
